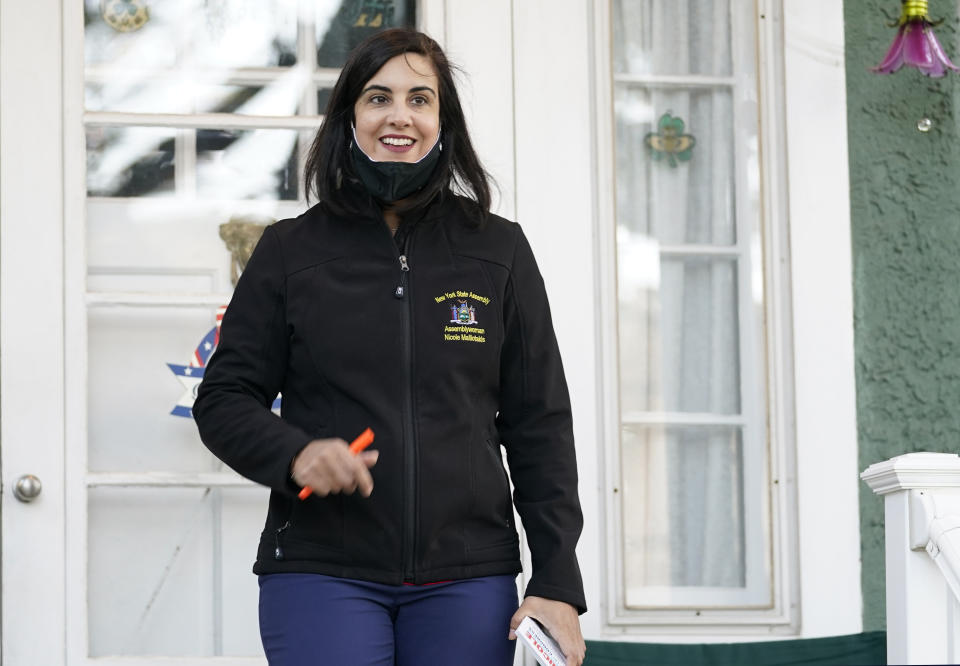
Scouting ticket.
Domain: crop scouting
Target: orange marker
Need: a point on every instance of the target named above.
(364, 440)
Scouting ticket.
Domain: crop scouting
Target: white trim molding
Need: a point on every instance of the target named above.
(821, 277)
(914, 470)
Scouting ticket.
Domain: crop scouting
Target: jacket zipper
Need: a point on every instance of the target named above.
(278, 550)
(401, 289)
(410, 459)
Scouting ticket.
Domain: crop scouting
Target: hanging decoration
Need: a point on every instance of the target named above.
(669, 141)
(125, 15)
(915, 44)
(240, 235)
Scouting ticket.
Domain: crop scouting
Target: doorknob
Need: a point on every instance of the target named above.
(27, 488)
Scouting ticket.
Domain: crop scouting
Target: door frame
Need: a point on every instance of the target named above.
(32, 397)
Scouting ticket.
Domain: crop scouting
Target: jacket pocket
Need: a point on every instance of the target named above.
(313, 528)
(493, 448)
(312, 525)
(491, 525)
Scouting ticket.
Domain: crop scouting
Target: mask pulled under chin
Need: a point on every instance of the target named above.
(392, 181)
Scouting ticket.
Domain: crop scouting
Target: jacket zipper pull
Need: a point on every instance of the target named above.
(404, 269)
(278, 551)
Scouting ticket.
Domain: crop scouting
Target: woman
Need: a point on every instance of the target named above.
(397, 305)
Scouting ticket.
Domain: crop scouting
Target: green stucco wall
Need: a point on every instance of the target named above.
(905, 208)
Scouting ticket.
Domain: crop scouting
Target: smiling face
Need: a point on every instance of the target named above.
(398, 113)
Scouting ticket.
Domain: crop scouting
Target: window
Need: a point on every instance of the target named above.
(159, 76)
(695, 437)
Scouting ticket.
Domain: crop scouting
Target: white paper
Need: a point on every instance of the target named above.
(538, 641)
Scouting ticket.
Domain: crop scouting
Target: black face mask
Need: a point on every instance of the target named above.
(392, 181)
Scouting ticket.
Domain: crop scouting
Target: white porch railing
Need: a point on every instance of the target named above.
(921, 493)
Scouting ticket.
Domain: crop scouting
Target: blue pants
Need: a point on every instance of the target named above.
(315, 620)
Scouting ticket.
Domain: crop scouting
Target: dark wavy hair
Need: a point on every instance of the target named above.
(328, 162)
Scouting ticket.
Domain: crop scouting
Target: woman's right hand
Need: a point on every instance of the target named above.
(328, 467)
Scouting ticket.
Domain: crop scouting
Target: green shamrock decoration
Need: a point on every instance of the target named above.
(670, 141)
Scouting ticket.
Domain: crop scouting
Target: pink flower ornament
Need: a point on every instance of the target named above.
(915, 44)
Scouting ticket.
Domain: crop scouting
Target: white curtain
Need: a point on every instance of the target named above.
(678, 309)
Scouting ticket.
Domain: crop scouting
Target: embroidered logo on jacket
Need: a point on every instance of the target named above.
(464, 314)
(463, 323)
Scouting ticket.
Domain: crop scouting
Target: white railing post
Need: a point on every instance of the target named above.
(920, 491)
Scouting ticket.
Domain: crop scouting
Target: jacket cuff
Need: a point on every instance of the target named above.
(292, 487)
(295, 442)
(573, 597)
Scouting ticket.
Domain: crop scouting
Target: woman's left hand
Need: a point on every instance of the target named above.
(560, 619)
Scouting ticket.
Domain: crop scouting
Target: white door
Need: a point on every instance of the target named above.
(131, 131)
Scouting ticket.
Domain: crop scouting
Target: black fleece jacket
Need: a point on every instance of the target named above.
(445, 348)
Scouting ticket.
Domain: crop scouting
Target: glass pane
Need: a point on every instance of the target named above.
(130, 161)
(670, 195)
(354, 21)
(175, 95)
(672, 37)
(323, 97)
(247, 164)
(138, 95)
(183, 587)
(136, 34)
(133, 392)
(172, 246)
(221, 56)
(683, 507)
(241, 100)
(679, 332)
(230, 164)
(241, 517)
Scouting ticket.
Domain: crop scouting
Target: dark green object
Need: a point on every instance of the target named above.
(669, 141)
(868, 648)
